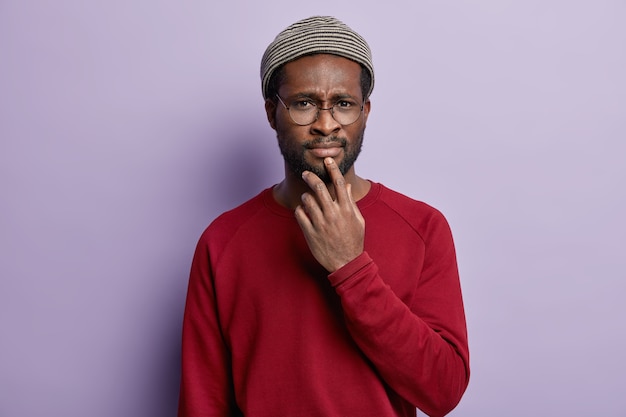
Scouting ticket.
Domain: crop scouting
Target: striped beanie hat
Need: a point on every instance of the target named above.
(315, 35)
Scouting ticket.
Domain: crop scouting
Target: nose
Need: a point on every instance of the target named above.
(325, 124)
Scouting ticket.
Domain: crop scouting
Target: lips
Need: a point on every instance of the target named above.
(325, 149)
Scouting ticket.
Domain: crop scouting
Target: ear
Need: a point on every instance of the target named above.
(366, 109)
(270, 110)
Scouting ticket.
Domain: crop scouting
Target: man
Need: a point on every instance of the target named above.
(327, 294)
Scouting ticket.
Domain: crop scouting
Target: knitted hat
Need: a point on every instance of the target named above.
(315, 35)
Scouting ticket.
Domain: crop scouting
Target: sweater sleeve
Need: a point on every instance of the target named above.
(420, 348)
(206, 379)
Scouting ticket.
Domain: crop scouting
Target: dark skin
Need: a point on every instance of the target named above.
(327, 213)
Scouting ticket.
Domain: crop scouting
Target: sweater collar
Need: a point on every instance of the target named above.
(274, 207)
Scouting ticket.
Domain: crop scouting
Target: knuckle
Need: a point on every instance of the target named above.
(332, 216)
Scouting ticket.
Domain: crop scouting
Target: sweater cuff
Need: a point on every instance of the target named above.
(350, 269)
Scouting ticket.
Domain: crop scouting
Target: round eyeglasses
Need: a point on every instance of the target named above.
(304, 112)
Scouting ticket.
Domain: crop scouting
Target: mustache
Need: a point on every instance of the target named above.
(328, 139)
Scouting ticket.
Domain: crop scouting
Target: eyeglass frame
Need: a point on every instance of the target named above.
(319, 109)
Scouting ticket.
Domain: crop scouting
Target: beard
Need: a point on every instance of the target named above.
(293, 154)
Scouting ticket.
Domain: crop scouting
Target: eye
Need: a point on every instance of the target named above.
(344, 104)
(302, 105)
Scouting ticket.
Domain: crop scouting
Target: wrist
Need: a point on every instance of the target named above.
(349, 269)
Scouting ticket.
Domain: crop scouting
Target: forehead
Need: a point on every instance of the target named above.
(322, 75)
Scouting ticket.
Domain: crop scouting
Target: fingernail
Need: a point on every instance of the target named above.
(329, 160)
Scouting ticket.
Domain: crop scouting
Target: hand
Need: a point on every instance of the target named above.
(334, 230)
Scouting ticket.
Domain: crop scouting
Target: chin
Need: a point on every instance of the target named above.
(318, 169)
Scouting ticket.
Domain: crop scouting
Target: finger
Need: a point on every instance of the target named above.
(302, 218)
(312, 208)
(350, 196)
(338, 180)
(318, 187)
(354, 205)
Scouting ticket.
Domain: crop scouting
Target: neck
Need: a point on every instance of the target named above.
(289, 191)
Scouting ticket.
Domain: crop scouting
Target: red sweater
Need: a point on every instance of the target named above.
(269, 333)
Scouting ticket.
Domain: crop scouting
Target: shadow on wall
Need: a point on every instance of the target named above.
(229, 168)
(166, 376)
(248, 162)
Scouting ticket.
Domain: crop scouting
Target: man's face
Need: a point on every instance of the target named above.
(325, 80)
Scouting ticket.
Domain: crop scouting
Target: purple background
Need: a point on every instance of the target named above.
(127, 126)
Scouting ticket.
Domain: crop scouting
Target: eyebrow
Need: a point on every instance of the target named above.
(334, 97)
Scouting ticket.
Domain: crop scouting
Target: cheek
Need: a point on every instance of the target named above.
(356, 132)
(288, 131)
(280, 124)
